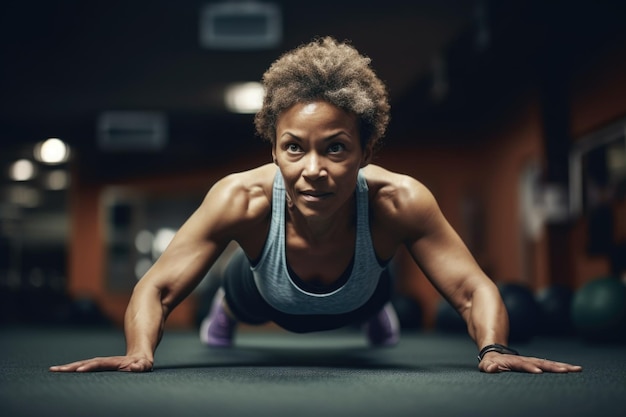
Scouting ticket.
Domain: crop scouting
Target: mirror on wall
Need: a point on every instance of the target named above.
(138, 227)
(598, 192)
(597, 165)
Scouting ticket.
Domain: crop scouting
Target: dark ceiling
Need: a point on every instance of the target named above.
(65, 62)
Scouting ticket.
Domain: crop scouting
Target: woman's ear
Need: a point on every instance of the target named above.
(368, 152)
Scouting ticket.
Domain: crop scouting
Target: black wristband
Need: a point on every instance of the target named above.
(496, 347)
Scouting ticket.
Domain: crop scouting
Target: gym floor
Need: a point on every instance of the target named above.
(324, 374)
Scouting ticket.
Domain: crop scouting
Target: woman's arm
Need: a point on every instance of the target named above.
(180, 268)
(449, 265)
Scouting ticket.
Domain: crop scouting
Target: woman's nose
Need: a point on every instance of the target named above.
(314, 166)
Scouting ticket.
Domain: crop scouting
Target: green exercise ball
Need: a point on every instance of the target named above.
(599, 310)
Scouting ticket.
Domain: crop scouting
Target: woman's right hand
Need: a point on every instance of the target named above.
(108, 363)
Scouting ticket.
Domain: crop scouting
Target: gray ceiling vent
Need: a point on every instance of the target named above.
(240, 25)
(131, 131)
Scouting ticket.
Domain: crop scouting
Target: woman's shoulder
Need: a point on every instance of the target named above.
(259, 179)
(385, 183)
(243, 195)
(392, 193)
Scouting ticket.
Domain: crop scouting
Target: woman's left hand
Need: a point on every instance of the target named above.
(494, 362)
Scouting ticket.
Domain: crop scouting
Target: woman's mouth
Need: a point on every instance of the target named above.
(313, 196)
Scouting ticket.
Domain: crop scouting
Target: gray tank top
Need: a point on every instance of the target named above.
(278, 288)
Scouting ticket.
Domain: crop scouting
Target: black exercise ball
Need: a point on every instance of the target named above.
(555, 302)
(523, 311)
(85, 311)
(409, 312)
(599, 310)
(448, 320)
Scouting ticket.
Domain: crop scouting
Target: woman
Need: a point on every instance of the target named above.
(316, 228)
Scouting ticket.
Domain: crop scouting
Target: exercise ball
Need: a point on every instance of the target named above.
(523, 311)
(599, 310)
(409, 312)
(448, 320)
(85, 311)
(555, 302)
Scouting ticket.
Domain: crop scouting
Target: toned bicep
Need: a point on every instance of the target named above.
(441, 254)
(194, 248)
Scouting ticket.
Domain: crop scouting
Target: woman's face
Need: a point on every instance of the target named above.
(319, 153)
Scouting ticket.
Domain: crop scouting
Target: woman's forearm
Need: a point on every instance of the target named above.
(487, 318)
(143, 321)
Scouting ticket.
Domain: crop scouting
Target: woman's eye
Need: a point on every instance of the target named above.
(292, 147)
(336, 148)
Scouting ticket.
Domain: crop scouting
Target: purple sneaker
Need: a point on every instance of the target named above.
(218, 328)
(383, 329)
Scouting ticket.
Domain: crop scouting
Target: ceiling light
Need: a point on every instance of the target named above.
(244, 97)
(52, 151)
(57, 180)
(22, 170)
(144, 241)
(141, 267)
(161, 241)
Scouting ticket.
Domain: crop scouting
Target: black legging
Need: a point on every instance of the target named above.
(250, 307)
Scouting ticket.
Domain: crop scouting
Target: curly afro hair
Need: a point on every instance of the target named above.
(328, 70)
